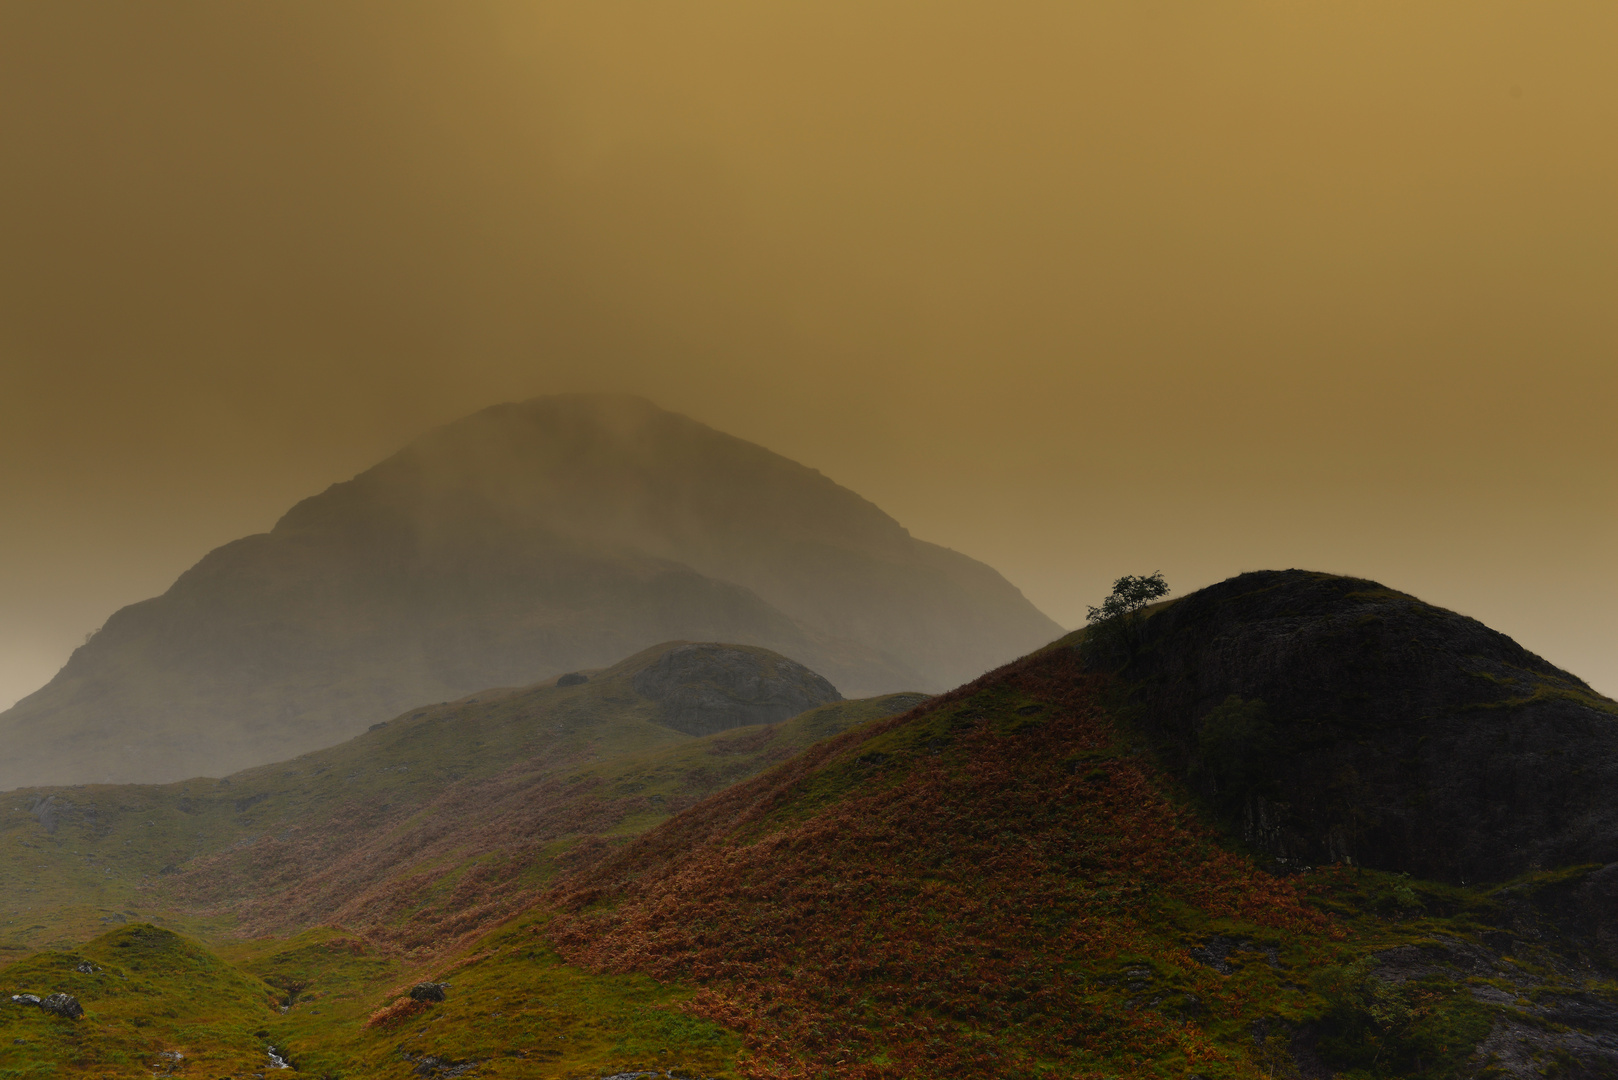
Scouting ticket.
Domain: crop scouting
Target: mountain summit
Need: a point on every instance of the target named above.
(524, 541)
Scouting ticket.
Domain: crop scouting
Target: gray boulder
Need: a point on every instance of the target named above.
(429, 991)
(63, 1005)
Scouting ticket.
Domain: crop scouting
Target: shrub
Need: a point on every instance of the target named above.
(1111, 638)
(402, 1009)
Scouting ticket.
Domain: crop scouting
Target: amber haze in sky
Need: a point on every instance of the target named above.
(1080, 289)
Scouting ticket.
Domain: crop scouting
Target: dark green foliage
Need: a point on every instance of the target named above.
(1113, 631)
(1377, 1027)
(1236, 749)
(1129, 595)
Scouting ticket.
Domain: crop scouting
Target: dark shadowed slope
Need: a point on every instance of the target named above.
(1331, 718)
(524, 541)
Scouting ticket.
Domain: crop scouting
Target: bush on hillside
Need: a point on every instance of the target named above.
(1113, 631)
(402, 1009)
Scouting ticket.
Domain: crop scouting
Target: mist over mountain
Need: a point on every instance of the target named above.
(524, 541)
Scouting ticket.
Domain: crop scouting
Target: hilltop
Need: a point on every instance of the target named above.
(519, 543)
(431, 825)
(1332, 719)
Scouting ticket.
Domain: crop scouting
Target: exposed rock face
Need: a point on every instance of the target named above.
(428, 991)
(65, 1005)
(524, 541)
(707, 688)
(48, 810)
(1584, 906)
(1538, 1021)
(1331, 718)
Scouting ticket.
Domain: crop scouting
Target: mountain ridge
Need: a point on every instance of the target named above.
(521, 542)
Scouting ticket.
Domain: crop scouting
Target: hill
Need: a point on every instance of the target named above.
(1030, 876)
(1331, 719)
(1021, 878)
(431, 826)
(519, 543)
(420, 838)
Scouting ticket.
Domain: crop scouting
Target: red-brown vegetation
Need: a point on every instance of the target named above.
(959, 910)
(467, 854)
(402, 1009)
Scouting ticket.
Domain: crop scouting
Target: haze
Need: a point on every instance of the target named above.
(1079, 290)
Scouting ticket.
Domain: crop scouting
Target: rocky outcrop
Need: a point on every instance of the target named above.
(49, 810)
(706, 688)
(63, 1005)
(429, 991)
(1332, 719)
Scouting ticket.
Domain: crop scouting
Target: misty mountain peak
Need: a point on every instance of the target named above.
(513, 545)
(606, 468)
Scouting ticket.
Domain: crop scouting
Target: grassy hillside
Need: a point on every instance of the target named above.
(430, 826)
(420, 837)
(1018, 879)
(1005, 883)
(156, 1003)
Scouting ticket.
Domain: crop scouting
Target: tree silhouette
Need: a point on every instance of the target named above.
(1112, 633)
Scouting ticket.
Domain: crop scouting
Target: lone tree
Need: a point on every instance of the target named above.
(1112, 625)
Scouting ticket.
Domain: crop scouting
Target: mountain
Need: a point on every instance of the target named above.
(524, 541)
(1021, 878)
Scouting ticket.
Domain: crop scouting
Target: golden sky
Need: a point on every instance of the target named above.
(1080, 289)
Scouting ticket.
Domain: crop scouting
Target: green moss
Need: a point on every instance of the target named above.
(511, 1001)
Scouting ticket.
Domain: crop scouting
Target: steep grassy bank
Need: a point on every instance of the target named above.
(1007, 882)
